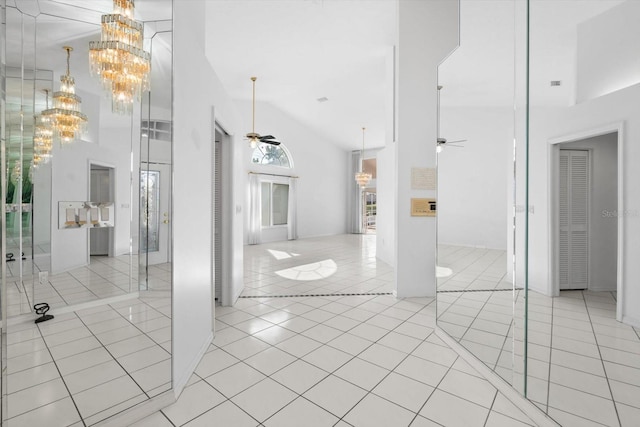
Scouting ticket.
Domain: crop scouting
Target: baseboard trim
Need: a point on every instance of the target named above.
(525, 405)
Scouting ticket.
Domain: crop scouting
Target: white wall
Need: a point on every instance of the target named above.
(554, 123)
(192, 213)
(473, 180)
(603, 225)
(419, 24)
(197, 90)
(608, 47)
(320, 165)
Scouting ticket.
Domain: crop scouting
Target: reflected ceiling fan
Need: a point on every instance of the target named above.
(442, 142)
(253, 137)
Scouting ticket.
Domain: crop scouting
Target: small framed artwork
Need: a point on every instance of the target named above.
(423, 207)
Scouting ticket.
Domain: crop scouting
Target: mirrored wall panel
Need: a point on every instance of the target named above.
(78, 105)
(583, 364)
(558, 317)
(475, 269)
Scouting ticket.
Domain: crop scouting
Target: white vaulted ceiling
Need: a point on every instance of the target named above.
(302, 50)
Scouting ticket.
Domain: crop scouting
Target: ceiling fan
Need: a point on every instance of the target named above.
(441, 142)
(253, 137)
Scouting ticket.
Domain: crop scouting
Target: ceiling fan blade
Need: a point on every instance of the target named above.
(457, 140)
(271, 141)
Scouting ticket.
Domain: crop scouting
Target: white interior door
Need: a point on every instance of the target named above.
(574, 219)
(155, 187)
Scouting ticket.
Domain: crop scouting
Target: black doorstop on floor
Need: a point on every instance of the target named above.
(42, 308)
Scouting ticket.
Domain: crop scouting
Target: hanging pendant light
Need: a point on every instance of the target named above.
(42, 136)
(361, 177)
(65, 117)
(119, 59)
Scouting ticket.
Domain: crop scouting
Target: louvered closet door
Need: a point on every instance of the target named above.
(574, 219)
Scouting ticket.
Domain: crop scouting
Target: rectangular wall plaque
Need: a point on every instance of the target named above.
(423, 178)
(423, 207)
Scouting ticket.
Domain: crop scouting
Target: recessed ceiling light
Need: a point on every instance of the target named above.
(556, 82)
(323, 99)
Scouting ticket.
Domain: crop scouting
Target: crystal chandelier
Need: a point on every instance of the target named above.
(42, 137)
(362, 177)
(118, 59)
(65, 117)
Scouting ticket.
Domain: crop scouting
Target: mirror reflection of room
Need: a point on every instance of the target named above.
(475, 146)
(75, 158)
(564, 331)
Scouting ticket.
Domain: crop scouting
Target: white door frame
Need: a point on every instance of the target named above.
(553, 214)
(113, 190)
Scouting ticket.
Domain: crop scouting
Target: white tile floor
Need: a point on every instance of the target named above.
(332, 360)
(104, 277)
(81, 367)
(583, 366)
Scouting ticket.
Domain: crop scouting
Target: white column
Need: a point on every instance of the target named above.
(427, 33)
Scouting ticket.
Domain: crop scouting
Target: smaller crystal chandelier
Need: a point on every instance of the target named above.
(119, 59)
(362, 177)
(42, 136)
(16, 173)
(65, 117)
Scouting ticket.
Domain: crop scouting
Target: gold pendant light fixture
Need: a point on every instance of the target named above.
(65, 117)
(42, 136)
(119, 59)
(362, 177)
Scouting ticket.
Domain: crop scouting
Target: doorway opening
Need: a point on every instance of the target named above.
(369, 206)
(222, 219)
(586, 229)
(101, 189)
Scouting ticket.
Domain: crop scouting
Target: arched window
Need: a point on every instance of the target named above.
(269, 154)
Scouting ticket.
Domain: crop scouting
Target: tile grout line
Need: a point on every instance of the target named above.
(604, 367)
(550, 354)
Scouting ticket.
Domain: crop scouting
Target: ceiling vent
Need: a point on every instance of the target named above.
(556, 82)
(323, 99)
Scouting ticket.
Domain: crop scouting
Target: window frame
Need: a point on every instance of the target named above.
(285, 153)
(271, 183)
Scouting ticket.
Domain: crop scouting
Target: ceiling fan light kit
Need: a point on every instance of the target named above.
(255, 138)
